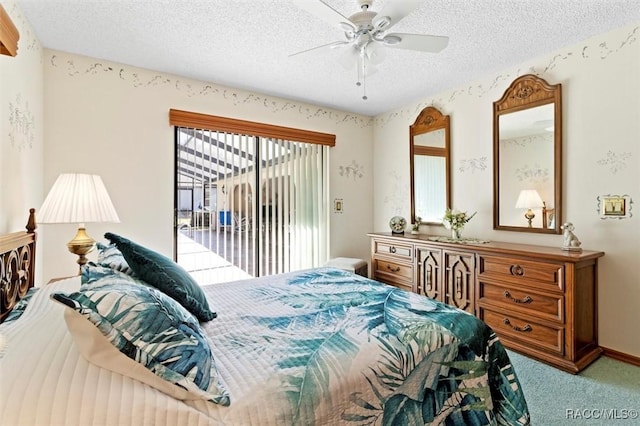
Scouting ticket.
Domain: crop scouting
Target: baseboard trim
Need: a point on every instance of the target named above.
(621, 356)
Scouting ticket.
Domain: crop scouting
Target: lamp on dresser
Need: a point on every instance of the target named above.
(78, 198)
(529, 199)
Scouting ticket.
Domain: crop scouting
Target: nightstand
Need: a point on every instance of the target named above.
(357, 266)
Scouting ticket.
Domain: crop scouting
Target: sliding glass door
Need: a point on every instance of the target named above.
(248, 205)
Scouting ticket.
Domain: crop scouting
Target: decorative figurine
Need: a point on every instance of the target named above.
(570, 241)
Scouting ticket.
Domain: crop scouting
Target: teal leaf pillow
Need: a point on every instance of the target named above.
(165, 275)
(109, 255)
(92, 273)
(149, 329)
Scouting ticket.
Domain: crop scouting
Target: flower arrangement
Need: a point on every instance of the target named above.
(415, 229)
(457, 219)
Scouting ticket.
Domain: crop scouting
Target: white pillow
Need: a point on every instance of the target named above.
(140, 332)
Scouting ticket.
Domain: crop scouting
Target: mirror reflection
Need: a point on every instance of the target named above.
(527, 157)
(430, 197)
(526, 166)
(429, 153)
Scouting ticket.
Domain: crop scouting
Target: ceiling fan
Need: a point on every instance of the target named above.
(366, 35)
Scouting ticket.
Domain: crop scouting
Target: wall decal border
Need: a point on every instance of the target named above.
(140, 78)
(21, 124)
(353, 170)
(473, 165)
(615, 162)
(594, 49)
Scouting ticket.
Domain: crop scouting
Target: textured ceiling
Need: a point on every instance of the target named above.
(246, 43)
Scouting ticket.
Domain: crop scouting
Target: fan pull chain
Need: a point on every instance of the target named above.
(364, 78)
(364, 92)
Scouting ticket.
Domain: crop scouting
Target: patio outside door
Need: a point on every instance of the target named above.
(248, 206)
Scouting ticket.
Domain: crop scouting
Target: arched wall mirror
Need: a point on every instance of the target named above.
(527, 157)
(429, 166)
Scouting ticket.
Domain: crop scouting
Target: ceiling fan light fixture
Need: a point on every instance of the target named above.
(362, 40)
(375, 53)
(391, 40)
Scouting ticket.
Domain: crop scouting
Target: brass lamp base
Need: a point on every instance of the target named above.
(81, 245)
(529, 215)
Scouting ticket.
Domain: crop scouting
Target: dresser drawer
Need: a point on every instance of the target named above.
(522, 330)
(546, 275)
(393, 269)
(530, 303)
(401, 251)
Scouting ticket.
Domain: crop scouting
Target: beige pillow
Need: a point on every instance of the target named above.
(96, 349)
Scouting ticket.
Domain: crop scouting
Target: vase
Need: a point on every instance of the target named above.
(456, 233)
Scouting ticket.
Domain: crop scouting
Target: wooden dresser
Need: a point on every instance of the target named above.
(541, 301)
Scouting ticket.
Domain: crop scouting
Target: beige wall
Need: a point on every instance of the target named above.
(21, 127)
(601, 120)
(112, 120)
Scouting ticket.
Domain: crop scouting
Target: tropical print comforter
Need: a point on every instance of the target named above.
(327, 347)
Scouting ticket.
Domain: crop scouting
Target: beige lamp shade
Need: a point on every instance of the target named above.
(529, 199)
(78, 198)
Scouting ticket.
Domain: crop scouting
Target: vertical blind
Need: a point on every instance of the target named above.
(259, 203)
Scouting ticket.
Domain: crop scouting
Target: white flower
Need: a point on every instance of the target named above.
(456, 219)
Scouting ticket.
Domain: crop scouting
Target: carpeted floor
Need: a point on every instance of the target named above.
(605, 393)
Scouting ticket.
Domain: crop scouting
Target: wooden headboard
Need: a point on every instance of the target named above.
(17, 260)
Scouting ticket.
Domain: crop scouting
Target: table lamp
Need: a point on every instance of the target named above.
(529, 199)
(78, 198)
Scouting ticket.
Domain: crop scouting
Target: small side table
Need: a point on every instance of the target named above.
(357, 266)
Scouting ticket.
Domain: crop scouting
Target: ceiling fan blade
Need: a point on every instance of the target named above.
(325, 12)
(394, 11)
(324, 46)
(421, 42)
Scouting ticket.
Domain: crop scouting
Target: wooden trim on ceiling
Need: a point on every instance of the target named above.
(232, 125)
(9, 35)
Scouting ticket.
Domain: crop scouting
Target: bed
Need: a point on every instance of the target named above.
(315, 347)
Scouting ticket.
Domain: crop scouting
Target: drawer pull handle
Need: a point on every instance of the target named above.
(524, 300)
(517, 270)
(524, 329)
(396, 269)
(392, 249)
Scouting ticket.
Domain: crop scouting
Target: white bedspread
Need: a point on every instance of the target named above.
(45, 381)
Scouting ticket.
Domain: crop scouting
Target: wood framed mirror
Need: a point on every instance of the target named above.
(527, 157)
(430, 166)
